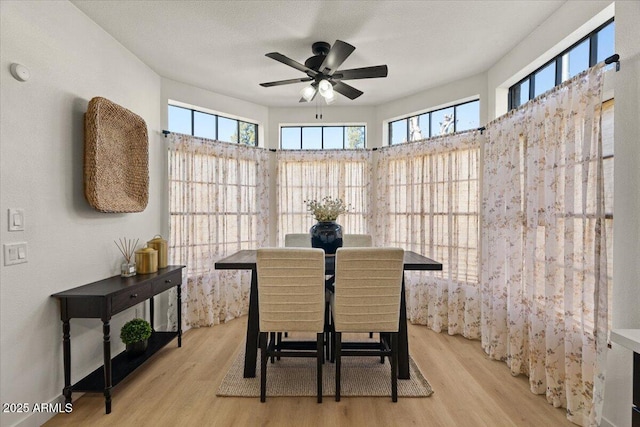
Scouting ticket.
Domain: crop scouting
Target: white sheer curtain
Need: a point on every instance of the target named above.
(218, 204)
(314, 174)
(428, 202)
(544, 257)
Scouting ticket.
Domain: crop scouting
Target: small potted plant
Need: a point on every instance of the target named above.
(135, 334)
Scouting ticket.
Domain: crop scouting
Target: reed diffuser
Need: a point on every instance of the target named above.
(127, 248)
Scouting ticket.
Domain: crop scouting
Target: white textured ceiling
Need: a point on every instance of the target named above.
(220, 45)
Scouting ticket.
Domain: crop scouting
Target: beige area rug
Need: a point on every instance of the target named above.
(296, 376)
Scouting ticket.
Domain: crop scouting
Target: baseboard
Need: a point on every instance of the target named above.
(605, 423)
(42, 412)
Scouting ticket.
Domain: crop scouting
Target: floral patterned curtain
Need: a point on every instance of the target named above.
(314, 174)
(544, 258)
(427, 201)
(218, 204)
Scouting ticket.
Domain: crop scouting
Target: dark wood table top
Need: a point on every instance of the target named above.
(114, 284)
(246, 260)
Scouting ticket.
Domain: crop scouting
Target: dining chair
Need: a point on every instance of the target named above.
(303, 240)
(357, 240)
(367, 298)
(291, 297)
(299, 240)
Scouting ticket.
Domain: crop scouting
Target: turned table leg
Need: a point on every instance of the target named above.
(106, 332)
(66, 350)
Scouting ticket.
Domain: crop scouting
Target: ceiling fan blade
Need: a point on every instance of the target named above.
(286, 82)
(291, 63)
(336, 56)
(346, 90)
(362, 73)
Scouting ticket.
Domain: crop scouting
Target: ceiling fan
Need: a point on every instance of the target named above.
(322, 70)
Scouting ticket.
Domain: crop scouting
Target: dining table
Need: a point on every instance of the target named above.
(246, 260)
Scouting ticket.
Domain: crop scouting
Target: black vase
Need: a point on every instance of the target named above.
(326, 235)
(137, 348)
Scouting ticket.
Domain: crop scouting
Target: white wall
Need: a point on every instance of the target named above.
(71, 60)
(626, 243)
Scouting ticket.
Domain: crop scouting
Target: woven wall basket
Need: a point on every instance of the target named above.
(116, 158)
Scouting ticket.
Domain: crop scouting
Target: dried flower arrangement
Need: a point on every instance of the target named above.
(327, 209)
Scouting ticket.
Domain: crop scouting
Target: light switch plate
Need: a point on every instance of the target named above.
(15, 253)
(16, 219)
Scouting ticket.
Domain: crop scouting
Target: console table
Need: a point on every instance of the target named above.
(102, 300)
(630, 338)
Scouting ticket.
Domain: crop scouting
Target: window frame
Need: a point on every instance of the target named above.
(322, 134)
(429, 114)
(192, 112)
(513, 96)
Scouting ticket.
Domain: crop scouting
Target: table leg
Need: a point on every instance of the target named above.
(403, 338)
(179, 291)
(253, 329)
(66, 350)
(106, 332)
(151, 316)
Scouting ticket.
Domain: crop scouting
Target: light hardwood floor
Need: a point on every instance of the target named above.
(177, 387)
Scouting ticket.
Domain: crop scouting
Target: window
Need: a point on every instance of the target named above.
(215, 202)
(431, 202)
(211, 126)
(544, 79)
(457, 118)
(322, 137)
(313, 175)
(587, 52)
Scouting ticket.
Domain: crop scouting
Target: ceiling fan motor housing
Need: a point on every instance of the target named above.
(320, 51)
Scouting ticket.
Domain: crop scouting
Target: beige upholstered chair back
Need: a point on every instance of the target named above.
(367, 289)
(298, 240)
(357, 240)
(291, 289)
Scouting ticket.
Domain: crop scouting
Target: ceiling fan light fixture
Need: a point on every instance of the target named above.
(330, 97)
(308, 92)
(325, 88)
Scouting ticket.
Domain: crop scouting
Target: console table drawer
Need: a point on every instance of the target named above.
(169, 281)
(130, 298)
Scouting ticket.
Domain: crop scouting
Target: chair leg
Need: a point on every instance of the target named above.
(263, 366)
(278, 342)
(320, 360)
(272, 336)
(327, 329)
(337, 336)
(394, 367)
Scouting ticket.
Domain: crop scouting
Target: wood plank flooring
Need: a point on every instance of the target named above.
(177, 387)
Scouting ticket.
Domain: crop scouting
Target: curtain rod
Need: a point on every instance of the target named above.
(613, 58)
